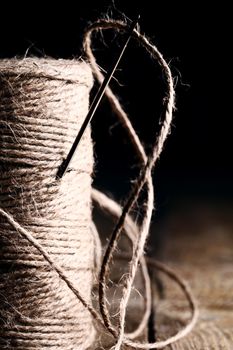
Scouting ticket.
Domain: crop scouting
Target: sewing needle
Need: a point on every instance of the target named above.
(64, 165)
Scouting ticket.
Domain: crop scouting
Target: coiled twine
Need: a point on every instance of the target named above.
(42, 105)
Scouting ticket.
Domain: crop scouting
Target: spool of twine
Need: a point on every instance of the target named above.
(42, 105)
(49, 247)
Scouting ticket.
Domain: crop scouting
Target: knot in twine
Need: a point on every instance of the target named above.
(48, 240)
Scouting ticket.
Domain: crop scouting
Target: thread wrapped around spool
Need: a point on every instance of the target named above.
(42, 105)
(49, 245)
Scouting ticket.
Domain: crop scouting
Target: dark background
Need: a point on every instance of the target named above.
(193, 222)
(197, 160)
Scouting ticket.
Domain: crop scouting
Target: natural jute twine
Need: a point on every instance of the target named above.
(42, 105)
(50, 246)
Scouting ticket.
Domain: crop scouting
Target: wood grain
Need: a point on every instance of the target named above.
(201, 249)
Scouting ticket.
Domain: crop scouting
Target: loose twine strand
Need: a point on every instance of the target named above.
(145, 177)
(137, 235)
(131, 230)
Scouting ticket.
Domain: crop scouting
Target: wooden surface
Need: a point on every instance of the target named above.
(198, 244)
(200, 248)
